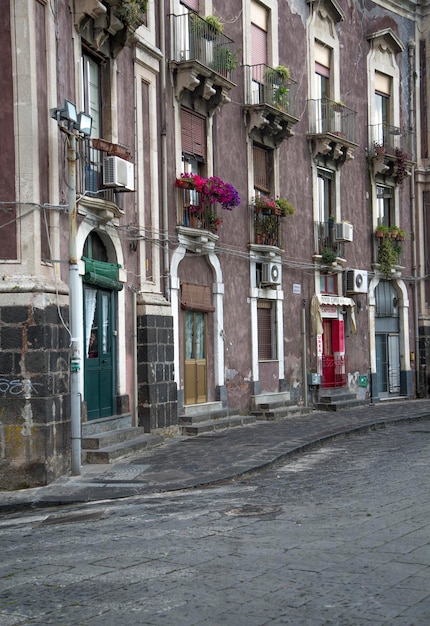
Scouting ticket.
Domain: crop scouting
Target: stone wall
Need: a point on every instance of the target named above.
(34, 396)
(157, 394)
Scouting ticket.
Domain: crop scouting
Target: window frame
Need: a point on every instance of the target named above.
(266, 330)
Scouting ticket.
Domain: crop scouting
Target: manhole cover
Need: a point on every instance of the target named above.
(251, 510)
(69, 518)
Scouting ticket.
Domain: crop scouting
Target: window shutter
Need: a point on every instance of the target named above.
(193, 129)
(196, 297)
(261, 178)
(259, 45)
(264, 323)
(383, 84)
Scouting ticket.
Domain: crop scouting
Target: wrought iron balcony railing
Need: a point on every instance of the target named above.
(325, 238)
(89, 174)
(385, 139)
(266, 228)
(193, 213)
(193, 39)
(264, 85)
(329, 117)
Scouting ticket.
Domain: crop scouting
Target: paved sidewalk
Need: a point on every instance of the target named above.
(187, 462)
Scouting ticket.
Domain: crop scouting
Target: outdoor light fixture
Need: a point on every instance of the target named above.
(82, 122)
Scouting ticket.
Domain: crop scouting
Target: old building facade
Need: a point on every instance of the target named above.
(244, 223)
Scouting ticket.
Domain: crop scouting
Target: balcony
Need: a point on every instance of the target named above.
(95, 197)
(270, 104)
(328, 244)
(203, 60)
(332, 130)
(266, 228)
(196, 215)
(391, 151)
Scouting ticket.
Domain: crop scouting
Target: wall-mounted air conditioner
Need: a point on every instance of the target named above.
(344, 231)
(118, 172)
(270, 274)
(356, 281)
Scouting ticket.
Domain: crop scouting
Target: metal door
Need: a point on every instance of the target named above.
(99, 352)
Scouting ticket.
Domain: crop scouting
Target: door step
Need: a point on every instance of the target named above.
(113, 438)
(204, 418)
(337, 399)
(276, 407)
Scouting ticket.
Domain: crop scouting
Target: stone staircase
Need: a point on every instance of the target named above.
(111, 438)
(276, 406)
(336, 399)
(207, 417)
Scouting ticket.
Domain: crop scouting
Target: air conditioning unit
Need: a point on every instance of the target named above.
(356, 281)
(118, 172)
(344, 231)
(270, 274)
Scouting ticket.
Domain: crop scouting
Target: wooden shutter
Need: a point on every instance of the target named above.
(193, 128)
(261, 169)
(264, 323)
(382, 84)
(196, 297)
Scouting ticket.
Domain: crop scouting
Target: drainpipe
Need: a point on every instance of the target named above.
(304, 360)
(411, 61)
(135, 392)
(163, 147)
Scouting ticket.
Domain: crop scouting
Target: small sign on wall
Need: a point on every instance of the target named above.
(297, 289)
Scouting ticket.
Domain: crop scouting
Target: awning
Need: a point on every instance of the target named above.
(316, 313)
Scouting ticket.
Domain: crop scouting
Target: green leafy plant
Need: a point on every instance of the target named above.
(287, 208)
(388, 256)
(131, 12)
(382, 231)
(224, 60)
(400, 168)
(208, 26)
(328, 256)
(280, 72)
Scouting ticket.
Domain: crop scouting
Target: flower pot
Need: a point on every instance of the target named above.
(259, 238)
(194, 221)
(379, 234)
(187, 184)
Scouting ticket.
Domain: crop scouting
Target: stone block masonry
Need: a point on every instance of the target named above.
(34, 396)
(157, 393)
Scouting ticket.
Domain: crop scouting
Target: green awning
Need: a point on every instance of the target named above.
(102, 274)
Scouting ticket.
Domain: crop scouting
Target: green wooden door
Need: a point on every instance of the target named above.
(99, 352)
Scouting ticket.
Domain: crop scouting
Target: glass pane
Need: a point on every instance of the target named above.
(189, 335)
(200, 335)
(105, 323)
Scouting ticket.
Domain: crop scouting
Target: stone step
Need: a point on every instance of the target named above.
(196, 418)
(339, 397)
(109, 437)
(273, 399)
(280, 413)
(104, 424)
(217, 424)
(122, 449)
(342, 404)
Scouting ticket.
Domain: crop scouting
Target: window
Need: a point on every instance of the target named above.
(322, 85)
(325, 186)
(385, 206)
(382, 107)
(263, 167)
(92, 98)
(193, 134)
(328, 284)
(259, 61)
(266, 322)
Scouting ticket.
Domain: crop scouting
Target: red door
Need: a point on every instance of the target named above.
(333, 359)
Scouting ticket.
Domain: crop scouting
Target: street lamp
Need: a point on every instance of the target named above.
(75, 127)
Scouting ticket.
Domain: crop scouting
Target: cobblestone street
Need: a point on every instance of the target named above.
(338, 536)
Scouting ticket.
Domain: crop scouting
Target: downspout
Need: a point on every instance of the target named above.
(136, 380)
(163, 142)
(412, 126)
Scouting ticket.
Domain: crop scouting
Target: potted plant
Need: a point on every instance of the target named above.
(278, 73)
(265, 204)
(286, 207)
(328, 256)
(208, 27)
(214, 222)
(382, 231)
(401, 234)
(131, 12)
(379, 148)
(338, 106)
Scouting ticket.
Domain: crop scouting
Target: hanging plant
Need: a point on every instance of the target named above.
(400, 167)
(131, 12)
(388, 256)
